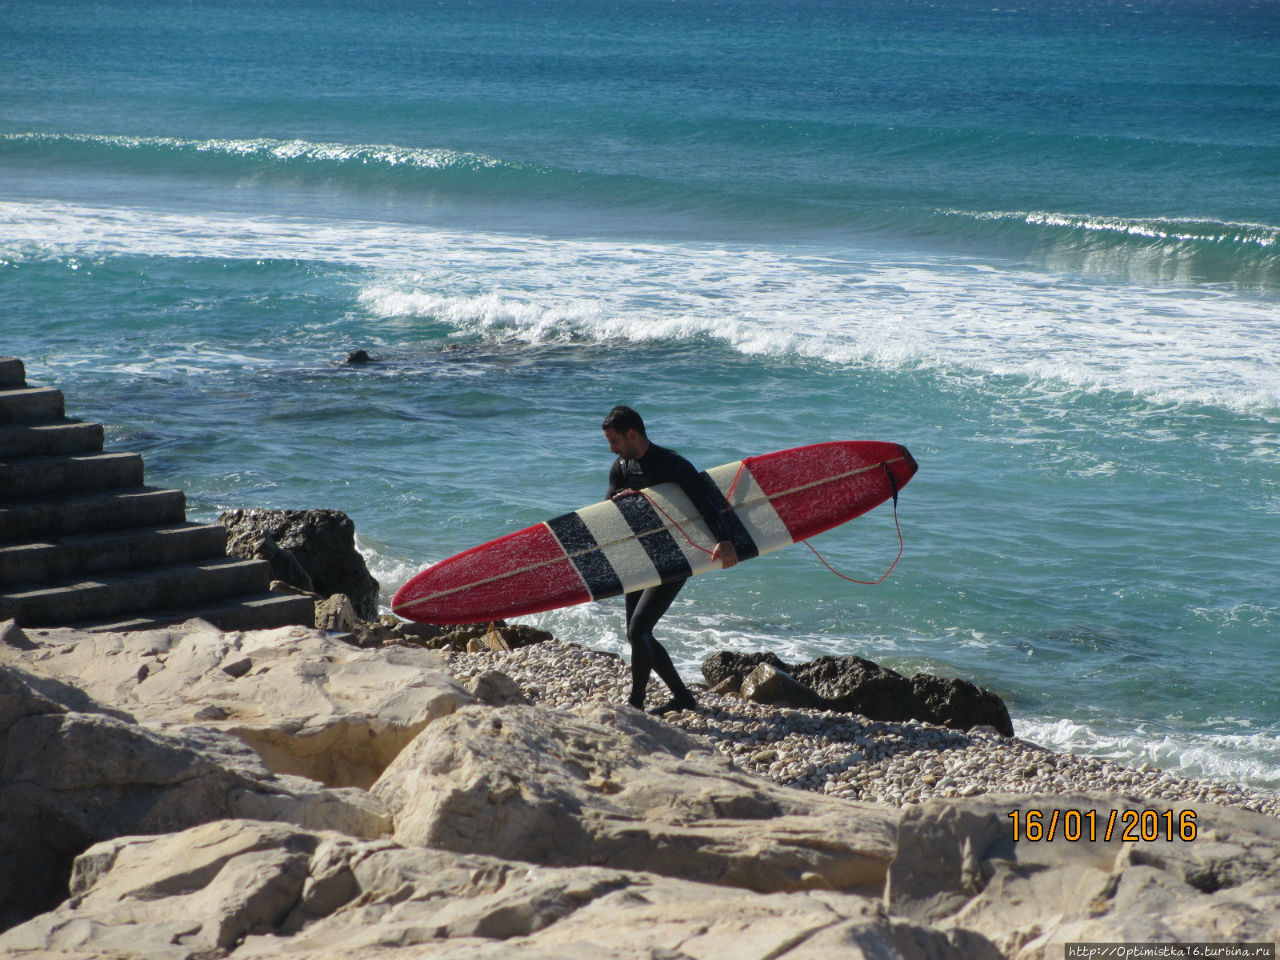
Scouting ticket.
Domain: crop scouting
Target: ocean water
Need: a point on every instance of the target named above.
(1037, 243)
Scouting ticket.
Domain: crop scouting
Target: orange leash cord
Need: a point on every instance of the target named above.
(867, 583)
(729, 497)
(672, 521)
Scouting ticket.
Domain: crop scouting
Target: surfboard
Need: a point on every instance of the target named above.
(638, 541)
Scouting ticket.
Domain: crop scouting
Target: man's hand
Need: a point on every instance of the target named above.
(628, 492)
(726, 553)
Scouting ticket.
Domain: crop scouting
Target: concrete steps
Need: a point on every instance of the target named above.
(40, 439)
(80, 599)
(84, 542)
(61, 558)
(31, 405)
(250, 612)
(56, 476)
(89, 512)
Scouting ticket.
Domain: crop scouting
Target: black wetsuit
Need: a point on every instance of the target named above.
(646, 607)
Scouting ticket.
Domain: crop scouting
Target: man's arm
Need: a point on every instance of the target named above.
(694, 486)
(615, 479)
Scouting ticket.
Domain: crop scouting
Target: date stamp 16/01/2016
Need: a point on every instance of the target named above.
(1146, 826)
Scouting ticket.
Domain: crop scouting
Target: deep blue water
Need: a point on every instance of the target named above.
(1036, 242)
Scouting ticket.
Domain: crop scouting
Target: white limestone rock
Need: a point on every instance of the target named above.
(72, 777)
(308, 703)
(256, 890)
(607, 785)
(958, 867)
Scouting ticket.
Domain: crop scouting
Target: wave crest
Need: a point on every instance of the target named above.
(259, 150)
(1147, 249)
(1142, 249)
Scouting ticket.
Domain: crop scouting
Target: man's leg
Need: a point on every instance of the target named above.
(641, 660)
(644, 610)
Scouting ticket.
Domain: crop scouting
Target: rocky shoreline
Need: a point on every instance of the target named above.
(849, 756)
(189, 793)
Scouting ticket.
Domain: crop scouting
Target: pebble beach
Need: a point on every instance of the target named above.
(848, 755)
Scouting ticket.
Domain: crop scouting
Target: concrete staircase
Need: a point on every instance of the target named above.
(84, 542)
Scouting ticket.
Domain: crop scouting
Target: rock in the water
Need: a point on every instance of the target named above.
(308, 703)
(321, 541)
(70, 778)
(724, 664)
(852, 684)
(613, 786)
(961, 705)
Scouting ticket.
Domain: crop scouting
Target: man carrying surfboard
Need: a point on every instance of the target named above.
(641, 464)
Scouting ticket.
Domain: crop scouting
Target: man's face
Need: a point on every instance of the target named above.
(625, 445)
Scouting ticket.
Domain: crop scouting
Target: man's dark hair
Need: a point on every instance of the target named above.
(622, 419)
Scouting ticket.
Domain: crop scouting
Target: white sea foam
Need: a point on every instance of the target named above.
(1250, 759)
(389, 570)
(1167, 344)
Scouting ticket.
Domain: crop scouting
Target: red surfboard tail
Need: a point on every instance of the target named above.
(904, 470)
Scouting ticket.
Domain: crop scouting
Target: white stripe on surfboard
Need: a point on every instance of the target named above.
(759, 497)
(620, 545)
(677, 505)
(752, 506)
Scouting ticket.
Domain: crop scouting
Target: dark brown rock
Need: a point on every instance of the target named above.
(252, 544)
(322, 542)
(767, 684)
(369, 635)
(726, 663)
(415, 634)
(496, 635)
(855, 685)
(962, 705)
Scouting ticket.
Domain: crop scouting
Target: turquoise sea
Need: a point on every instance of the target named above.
(1036, 242)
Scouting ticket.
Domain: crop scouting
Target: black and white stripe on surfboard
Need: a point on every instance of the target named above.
(639, 541)
(583, 549)
(654, 538)
(738, 535)
(616, 550)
